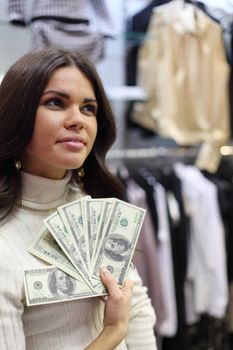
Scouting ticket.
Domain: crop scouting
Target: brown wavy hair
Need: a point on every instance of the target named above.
(20, 93)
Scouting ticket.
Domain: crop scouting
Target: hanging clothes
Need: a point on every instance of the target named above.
(146, 255)
(137, 26)
(206, 280)
(182, 67)
(169, 326)
(171, 238)
(223, 181)
(193, 243)
(79, 25)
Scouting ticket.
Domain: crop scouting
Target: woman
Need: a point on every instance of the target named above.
(56, 128)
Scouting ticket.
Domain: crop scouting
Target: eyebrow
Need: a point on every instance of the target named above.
(87, 100)
(59, 93)
(67, 96)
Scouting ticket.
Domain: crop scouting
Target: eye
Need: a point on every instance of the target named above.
(54, 102)
(89, 109)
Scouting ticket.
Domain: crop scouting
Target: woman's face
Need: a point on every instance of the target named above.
(65, 125)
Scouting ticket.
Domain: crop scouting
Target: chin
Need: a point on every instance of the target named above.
(74, 167)
(72, 164)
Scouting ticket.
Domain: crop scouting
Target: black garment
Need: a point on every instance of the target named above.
(208, 333)
(143, 178)
(180, 231)
(146, 177)
(223, 179)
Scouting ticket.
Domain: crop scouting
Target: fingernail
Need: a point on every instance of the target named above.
(105, 298)
(104, 270)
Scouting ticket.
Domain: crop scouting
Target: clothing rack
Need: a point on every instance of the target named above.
(150, 152)
(140, 153)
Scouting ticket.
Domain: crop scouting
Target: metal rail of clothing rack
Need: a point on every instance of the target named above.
(152, 152)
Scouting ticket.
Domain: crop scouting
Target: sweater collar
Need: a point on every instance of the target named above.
(42, 193)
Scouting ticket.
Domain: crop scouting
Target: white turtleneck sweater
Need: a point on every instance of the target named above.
(68, 325)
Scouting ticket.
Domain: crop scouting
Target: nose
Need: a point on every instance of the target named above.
(75, 118)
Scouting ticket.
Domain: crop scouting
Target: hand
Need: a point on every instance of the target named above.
(117, 303)
(116, 313)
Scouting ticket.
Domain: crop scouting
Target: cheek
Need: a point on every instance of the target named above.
(94, 135)
(93, 132)
(32, 146)
(39, 141)
(45, 126)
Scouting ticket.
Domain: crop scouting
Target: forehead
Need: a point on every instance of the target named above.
(59, 273)
(67, 78)
(110, 241)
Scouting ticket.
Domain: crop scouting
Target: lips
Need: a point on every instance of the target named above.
(73, 139)
(73, 144)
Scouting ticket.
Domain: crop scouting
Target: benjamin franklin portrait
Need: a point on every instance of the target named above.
(116, 247)
(60, 284)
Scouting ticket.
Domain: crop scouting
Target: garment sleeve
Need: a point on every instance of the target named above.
(11, 310)
(105, 21)
(16, 12)
(142, 320)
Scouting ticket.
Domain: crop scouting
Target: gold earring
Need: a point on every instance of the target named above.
(81, 174)
(18, 164)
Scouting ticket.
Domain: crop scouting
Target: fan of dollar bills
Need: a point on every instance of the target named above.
(77, 240)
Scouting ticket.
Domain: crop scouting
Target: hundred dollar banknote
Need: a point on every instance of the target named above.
(96, 211)
(105, 217)
(45, 247)
(51, 285)
(67, 243)
(77, 240)
(119, 239)
(92, 208)
(72, 215)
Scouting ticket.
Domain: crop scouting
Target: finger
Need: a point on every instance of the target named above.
(104, 298)
(110, 282)
(127, 287)
(128, 283)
